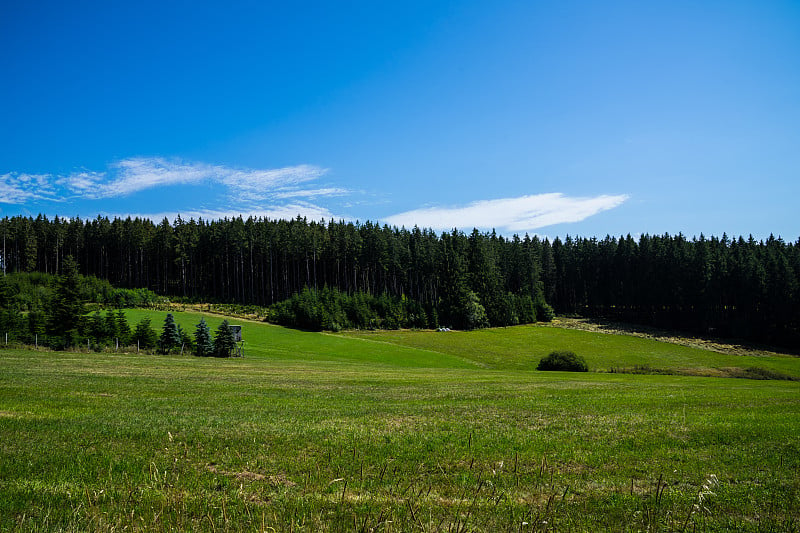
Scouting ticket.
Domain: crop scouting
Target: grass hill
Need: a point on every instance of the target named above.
(512, 348)
(273, 342)
(395, 431)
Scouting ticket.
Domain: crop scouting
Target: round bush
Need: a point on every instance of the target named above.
(563, 360)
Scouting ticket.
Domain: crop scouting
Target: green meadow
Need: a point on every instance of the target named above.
(397, 431)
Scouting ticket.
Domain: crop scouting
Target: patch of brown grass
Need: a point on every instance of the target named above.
(276, 480)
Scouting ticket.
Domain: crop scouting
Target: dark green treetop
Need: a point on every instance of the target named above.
(170, 337)
(123, 329)
(144, 335)
(204, 346)
(67, 307)
(224, 342)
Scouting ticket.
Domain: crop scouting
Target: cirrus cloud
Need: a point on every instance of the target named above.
(277, 193)
(18, 188)
(515, 214)
(136, 174)
(284, 192)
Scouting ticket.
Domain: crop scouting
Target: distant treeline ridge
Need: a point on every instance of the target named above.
(739, 286)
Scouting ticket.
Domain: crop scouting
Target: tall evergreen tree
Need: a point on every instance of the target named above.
(67, 307)
(36, 323)
(110, 325)
(144, 335)
(96, 328)
(123, 329)
(204, 345)
(5, 292)
(224, 343)
(170, 336)
(9, 316)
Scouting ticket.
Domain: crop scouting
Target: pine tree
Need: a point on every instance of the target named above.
(224, 342)
(144, 335)
(123, 329)
(36, 327)
(204, 346)
(5, 292)
(67, 307)
(110, 325)
(170, 337)
(9, 316)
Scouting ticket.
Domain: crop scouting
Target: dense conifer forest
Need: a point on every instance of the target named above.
(739, 287)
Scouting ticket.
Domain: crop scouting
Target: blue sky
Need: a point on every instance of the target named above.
(551, 118)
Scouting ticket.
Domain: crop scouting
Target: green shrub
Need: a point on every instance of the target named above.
(565, 361)
(333, 310)
(544, 313)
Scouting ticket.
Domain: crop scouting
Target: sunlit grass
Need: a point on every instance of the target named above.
(521, 347)
(279, 343)
(313, 432)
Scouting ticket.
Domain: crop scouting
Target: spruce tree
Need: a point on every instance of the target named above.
(110, 327)
(123, 329)
(66, 307)
(96, 328)
(224, 342)
(5, 292)
(36, 327)
(9, 316)
(144, 335)
(170, 336)
(204, 346)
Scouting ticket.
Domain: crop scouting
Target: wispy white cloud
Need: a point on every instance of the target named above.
(312, 193)
(130, 176)
(263, 184)
(524, 213)
(18, 188)
(275, 193)
(282, 193)
(84, 183)
(133, 175)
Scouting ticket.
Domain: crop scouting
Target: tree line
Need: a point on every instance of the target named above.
(62, 321)
(454, 278)
(739, 286)
(39, 309)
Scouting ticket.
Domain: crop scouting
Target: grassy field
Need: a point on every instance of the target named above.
(521, 347)
(396, 431)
